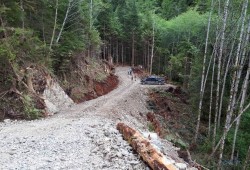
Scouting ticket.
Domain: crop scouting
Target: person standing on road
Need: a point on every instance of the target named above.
(130, 71)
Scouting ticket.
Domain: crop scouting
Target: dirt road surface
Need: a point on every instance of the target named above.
(82, 137)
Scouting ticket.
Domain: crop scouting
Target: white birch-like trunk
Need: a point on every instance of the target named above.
(152, 49)
(245, 166)
(22, 9)
(148, 58)
(54, 29)
(216, 113)
(235, 120)
(117, 56)
(122, 55)
(211, 99)
(44, 38)
(133, 49)
(244, 92)
(225, 74)
(224, 83)
(214, 54)
(64, 21)
(234, 86)
(220, 58)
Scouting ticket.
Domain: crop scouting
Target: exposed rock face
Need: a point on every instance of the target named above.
(55, 98)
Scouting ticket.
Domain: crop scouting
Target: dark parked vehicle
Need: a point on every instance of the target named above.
(154, 80)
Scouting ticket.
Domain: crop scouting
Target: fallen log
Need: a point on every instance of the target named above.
(155, 159)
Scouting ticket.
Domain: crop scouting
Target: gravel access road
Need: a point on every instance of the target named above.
(81, 137)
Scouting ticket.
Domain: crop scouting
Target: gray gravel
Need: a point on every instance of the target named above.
(76, 144)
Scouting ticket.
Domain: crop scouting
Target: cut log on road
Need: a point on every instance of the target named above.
(155, 159)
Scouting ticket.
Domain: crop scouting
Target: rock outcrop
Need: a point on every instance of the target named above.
(55, 98)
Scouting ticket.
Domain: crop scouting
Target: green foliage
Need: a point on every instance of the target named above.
(184, 37)
(205, 146)
(11, 12)
(172, 8)
(30, 111)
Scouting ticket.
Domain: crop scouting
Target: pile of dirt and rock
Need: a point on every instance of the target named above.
(83, 144)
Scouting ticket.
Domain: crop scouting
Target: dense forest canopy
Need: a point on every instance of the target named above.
(199, 44)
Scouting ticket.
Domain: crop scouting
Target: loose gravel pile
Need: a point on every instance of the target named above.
(83, 144)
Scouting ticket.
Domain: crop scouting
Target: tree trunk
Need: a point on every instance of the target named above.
(244, 91)
(90, 14)
(3, 26)
(225, 76)
(54, 29)
(117, 55)
(29, 76)
(234, 140)
(216, 115)
(64, 21)
(220, 57)
(133, 50)
(22, 9)
(144, 54)
(90, 27)
(224, 82)
(152, 50)
(234, 86)
(109, 49)
(104, 51)
(217, 45)
(203, 74)
(155, 159)
(245, 166)
(211, 98)
(148, 59)
(122, 55)
(159, 65)
(44, 38)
